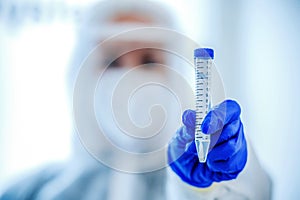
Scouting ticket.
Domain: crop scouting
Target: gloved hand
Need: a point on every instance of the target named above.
(228, 150)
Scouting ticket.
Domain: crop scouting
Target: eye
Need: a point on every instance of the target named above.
(148, 60)
(113, 63)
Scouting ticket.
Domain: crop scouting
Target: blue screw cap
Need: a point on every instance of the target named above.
(205, 53)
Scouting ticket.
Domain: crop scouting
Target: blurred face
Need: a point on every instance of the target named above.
(131, 105)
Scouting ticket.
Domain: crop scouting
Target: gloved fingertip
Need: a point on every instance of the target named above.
(211, 123)
(188, 118)
(233, 105)
(220, 115)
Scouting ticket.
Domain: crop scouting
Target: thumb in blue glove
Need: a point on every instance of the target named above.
(228, 150)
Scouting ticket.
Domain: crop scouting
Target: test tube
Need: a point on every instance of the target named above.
(203, 62)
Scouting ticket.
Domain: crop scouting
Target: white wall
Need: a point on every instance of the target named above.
(272, 69)
(36, 118)
(4, 102)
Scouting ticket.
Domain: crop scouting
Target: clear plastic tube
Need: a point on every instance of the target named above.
(203, 62)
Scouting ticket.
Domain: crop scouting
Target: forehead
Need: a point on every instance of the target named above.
(120, 22)
(130, 18)
(129, 32)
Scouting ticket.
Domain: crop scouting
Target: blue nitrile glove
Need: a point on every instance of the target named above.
(228, 150)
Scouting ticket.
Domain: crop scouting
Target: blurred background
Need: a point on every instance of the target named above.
(257, 47)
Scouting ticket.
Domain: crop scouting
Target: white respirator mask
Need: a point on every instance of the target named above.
(133, 108)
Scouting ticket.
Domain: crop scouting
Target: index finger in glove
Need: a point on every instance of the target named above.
(221, 115)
